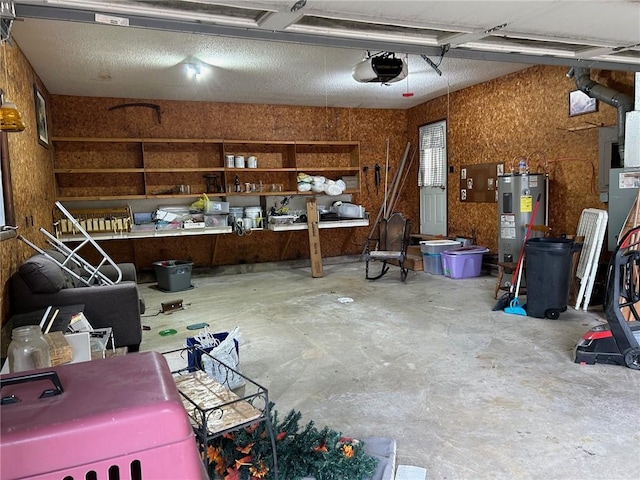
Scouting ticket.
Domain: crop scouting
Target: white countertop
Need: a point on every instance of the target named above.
(181, 232)
(184, 232)
(358, 222)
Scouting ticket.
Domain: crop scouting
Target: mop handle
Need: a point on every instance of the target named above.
(526, 237)
(517, 292)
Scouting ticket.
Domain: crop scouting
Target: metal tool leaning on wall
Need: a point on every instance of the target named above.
(74, 259)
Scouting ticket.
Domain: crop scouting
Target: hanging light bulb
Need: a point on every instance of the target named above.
(10, 119)
(194, 70)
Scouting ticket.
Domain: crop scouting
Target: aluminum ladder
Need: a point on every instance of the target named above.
(73, 259)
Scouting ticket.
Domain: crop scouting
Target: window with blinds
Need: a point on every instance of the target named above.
(432, 153)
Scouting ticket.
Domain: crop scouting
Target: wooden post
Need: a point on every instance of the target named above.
(286, 245)
(314, 238)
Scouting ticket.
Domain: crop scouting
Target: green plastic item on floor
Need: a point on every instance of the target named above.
(197, 326)
(169, 331)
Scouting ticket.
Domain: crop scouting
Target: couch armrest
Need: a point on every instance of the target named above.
(115, 306)
(128, 272)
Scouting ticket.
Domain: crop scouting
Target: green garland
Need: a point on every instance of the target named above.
(325, 454)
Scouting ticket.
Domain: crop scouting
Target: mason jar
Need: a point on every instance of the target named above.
(28, 349)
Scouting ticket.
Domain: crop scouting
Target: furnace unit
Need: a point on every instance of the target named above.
(517, 194)
(623, 191)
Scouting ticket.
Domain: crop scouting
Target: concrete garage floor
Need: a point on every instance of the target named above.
(467, 393)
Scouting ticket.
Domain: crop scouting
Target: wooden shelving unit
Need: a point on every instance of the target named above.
(98, 169)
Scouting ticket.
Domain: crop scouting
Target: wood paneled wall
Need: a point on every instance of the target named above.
(522, 114)
(31, 167)
(90, 117)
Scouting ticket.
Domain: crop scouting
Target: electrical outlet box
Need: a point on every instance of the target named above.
(171, 306)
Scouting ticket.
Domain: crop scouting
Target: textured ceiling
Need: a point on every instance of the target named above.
(100, 60)
(265, 53)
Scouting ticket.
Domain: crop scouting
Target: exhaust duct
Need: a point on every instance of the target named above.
(623, 102)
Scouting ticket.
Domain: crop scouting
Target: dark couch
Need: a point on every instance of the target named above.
(41, 282)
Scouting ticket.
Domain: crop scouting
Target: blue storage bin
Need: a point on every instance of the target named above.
(432, 263)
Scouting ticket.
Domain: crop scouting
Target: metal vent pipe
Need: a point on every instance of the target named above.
(623, 102)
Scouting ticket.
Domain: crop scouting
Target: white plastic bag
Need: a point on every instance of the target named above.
(224, 353)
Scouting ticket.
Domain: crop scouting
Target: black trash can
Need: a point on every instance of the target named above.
(548, 275)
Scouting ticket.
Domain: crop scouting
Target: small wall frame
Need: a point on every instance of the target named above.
(41, 117)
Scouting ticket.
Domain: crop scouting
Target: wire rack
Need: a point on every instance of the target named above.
(213, 408)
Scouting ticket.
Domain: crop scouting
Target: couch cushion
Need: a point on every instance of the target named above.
(42, 275)
(70, 280)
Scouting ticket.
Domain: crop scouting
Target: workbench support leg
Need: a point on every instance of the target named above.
(214, 247)
(286, 246)
(314, 238)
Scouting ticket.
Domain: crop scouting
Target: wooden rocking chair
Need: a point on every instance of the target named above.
(388, 243)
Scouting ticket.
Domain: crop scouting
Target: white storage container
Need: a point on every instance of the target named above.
(433, 247)
(215, 220)
(348, 210)
(255, 214)
(216, 208)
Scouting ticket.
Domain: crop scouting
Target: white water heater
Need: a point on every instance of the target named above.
(517, 196)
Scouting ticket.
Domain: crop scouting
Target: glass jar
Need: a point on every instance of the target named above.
(28, 349)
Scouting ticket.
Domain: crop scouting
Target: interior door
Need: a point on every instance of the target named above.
(432, 178)
(433, 210)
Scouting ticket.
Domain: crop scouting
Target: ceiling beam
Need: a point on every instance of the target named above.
(278, 20)
(456, 39)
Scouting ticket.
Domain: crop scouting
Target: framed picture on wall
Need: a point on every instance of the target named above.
(581, 103)
(41, 117)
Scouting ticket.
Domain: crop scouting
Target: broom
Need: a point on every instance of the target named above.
(507, 300)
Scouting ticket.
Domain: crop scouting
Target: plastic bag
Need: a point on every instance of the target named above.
(223, 350)
(200, 203)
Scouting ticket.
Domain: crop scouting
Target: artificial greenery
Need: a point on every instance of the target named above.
(325, 454)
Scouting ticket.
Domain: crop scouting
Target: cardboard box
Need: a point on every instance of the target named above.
(59, 349)
(412, 262)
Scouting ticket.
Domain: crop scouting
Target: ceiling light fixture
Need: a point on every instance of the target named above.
(10, 118)
(194, 70)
